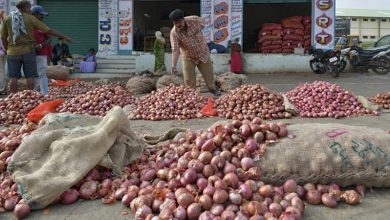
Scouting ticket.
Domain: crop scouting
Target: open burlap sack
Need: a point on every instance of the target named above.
(288, 106)
(229, 81)
(141, 85)
(168, 79)
(325, 153)
(58, 72)
(66, 147)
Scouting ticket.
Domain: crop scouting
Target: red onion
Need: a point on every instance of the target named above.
(266, 191)
(231, 179)
(209, 190)
(185, 199)
(228, 215)
(313, 197)
(70, 196)
(11, 202)
(180, 213)
(194, 211)
(229, 168)
(247, 163)
(220, 196)
(217, 209)
(21, 211)
(130, 196)
(382, 99)
(276, 209)
(189, 176)
(290, 186)
(235, 198)
(328, 200)
(351, 197)
(245, 191)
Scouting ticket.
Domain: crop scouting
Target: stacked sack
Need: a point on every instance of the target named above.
(270, 38)
(307, 37)
(294, 32)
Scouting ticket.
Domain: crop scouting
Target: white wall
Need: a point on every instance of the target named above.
(253, 63)
(370, 28)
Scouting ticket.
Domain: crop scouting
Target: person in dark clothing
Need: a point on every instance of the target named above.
(60, 52)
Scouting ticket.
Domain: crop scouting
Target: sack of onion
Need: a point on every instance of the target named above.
(141, 84)
(65, 148)
(169, 79)
(229, 81)
(326, 153)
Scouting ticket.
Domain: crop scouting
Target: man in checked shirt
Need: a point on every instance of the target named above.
(187, 38)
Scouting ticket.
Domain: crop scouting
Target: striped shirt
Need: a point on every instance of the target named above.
(190, 41)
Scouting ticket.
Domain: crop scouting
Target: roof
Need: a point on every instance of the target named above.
(372, 13)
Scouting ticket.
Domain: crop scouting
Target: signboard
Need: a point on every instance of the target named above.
(108, 44)
(125, 20)
(223, 20)
(323, 23)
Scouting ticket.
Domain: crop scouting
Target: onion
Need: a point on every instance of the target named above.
(229, 168)
(205, 201)
(220, 196)
(209, 190)
(130, 196)
(194, 211)
(189, 176)
(217, 209)
(21, 211)
(208, 146)
(328, 200)
(143, 212)
(228, 215)
(10, 203)
(276, 209)
(180, 213)
(290, 186)
(185, 199)
(351, 197)
(231, 179)
(218, 161)
(313, 197)
(266, 191)
(235, 198)
(245, 130)
(259, 137)
(205, 157)
(70, 196)
(245, 191)
(251, 145)
(247, 163)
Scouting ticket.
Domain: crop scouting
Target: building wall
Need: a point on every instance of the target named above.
(370, 29)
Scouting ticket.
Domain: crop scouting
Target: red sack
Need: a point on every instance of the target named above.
(294, 25)
(277, 50)
(277, 42)
(288, 31)
(266, 43)
(307, 37)
(277, 32)
(269, 38)
(271, 26)
(293, 37)
(306, 19)
(288, 51)
(272, 47)
(299, 32)
(208, 109)
(65, 83)
(264, 33)
(307, 43)
(43, 109)
(292, 19)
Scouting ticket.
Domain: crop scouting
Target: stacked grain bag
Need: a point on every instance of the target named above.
(270, 38)
(294, 32)
(307, 37)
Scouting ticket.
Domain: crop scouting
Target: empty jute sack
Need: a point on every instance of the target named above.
(229, 81)
(168, 79)
(58, 72)
(141, 85)
(325, 153)
(66, 147)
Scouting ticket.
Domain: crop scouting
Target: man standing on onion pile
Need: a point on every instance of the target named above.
(187, 38)
(18, 41)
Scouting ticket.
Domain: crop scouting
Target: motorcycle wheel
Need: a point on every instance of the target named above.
(335, 70)
(315, 68)
(382, 67)
(342, 65)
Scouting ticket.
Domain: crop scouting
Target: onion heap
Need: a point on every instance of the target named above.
(382, 100)
(171, 102)
(15, 107)
(78, 88)
(98, 101)
(323, 99)
(250, 101)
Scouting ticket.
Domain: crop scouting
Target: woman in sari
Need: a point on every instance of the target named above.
(159, 51)
(235, 57)
(88, 65)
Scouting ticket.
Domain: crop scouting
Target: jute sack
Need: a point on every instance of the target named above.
(65, 148)
(141, 85)
(229, 81)
(168, 79)
(325, 153)
(58, 72)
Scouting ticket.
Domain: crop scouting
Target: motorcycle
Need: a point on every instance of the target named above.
(327, 61)
(376, 59)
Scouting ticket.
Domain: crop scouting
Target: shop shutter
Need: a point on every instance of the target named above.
(75, 18)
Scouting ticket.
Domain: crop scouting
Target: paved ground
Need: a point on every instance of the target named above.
(374, 206)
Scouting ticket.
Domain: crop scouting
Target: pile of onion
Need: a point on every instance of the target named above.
(250, 101)
(382, 99)
(323, 99)
(98, 101)
(72, 91)
(171, 102)
(15, 107)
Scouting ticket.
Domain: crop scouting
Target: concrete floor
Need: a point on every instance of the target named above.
(374, 206)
